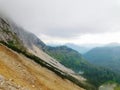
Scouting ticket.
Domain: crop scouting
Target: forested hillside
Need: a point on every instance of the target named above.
(74, 60)
(108, 57)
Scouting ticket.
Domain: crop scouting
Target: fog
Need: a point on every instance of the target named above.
(63, 21)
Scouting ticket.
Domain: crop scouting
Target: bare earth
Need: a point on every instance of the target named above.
(20, 73)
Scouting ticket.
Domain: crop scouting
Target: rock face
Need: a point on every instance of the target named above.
(6, 35)
(13, 34)
(26, 37)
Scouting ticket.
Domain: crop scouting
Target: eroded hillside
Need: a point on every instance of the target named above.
(20, 73)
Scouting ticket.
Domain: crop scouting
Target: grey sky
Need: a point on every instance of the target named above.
(65, 18)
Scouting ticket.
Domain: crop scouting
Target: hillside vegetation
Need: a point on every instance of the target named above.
(74, 60)
(108, 57)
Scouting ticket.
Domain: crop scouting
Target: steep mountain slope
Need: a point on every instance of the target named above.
(74, 60)
(27, 38)
(18, 72)
(29, 45)
(35, 46)
(105, 56)
(7, 36)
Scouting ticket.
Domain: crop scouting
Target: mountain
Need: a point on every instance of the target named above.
(28, 39)
(84, 48)
(24, 63)
(107, 56)
(66, 56)
(35, 46)
(81, 49)
(74, 60)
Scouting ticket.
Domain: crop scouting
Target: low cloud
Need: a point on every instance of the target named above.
(64, 18)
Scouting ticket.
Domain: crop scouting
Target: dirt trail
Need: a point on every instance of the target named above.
(20, 73)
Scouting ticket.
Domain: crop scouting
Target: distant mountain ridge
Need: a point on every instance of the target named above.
(74, 60)
(108, 56)
(81, 49)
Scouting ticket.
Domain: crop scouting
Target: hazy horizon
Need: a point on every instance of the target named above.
(67, 21)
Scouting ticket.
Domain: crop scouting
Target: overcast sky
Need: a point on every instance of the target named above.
(67, 21)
